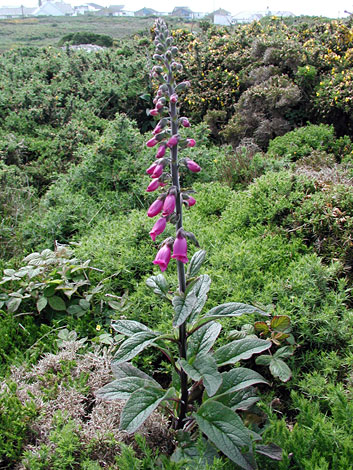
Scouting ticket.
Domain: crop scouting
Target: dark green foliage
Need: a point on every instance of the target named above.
(15, 419)
(102, 40)
(305, 140)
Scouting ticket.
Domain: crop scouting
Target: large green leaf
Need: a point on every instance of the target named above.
(204, 367)
(158, 284)
(202, 340)
(226, 430)
(240, 349)
(57, 303)
(121, 389)
(129, 327)
(200, 289)
(280, 369)
(41, 303)
(133, 345)
(238, 379)
(183, 306)
(196, 263)
(13, 303)
(140, 405)
(125, 369)
(233, 309)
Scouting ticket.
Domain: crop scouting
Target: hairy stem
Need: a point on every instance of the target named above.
(180, 265)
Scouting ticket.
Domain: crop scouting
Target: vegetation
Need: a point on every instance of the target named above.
(270, 108)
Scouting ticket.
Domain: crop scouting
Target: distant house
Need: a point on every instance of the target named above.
(247, 17)
(182, 12)
(17, 12)
(113, 10)
(146, 12)
(54, 9)
(284, 14)
(222, 17)
(87, 8)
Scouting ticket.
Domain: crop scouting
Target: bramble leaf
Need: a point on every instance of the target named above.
(280, 369)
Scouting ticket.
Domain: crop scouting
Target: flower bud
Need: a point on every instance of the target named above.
(173, 98)
(159, 105)
(154, 184)
(151, 169)
(161, 151)
(153, 112)
(185, 122)
(152, 142)
(182, 85)
(155, 208)
(157, 129)
(192, 166)
(190, 142)
(158, 228)
(158, 170)
(174, 50)
(172, 142)
(169, 204)
(191, 201)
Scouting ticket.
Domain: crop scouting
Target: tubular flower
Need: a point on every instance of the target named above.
(185, 122)
(155, 208)
(152, 142)
(172, 141)
(154, 112)
(180, 249)
(169, 205)
(163, 257)
(161, 151)
(158, 228)
(154, 184)
(157, 129)
(193, 166)
(190, 142)
(151, 169)
(158, 170)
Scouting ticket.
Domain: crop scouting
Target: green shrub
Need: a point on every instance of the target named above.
(87, 37)
(15, 420)
(301, 142)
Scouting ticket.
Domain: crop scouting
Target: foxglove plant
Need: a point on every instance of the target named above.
(203, 397)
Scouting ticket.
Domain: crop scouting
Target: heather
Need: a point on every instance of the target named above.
(269, 111)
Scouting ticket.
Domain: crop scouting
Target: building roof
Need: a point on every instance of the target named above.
(221, 12)
(146, 11)
(15, 11)
(186, 9)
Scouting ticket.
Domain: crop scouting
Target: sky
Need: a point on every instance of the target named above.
(332, 9)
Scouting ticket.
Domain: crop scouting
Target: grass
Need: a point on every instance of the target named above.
(47, 31)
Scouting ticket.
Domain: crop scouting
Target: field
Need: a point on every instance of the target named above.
(45, 31)
(270, 110)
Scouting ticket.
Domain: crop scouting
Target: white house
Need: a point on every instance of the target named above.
(222, 17)
(87, 8)
(50, 8)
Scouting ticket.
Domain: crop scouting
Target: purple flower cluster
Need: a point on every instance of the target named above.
(164, 171)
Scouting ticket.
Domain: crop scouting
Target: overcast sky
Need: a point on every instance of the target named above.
(331, 9)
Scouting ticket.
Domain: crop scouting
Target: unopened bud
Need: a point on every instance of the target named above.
(153, 112)
(174, 98)
(182, 85)
(174, 50)
(185, 122)
(172, 142)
